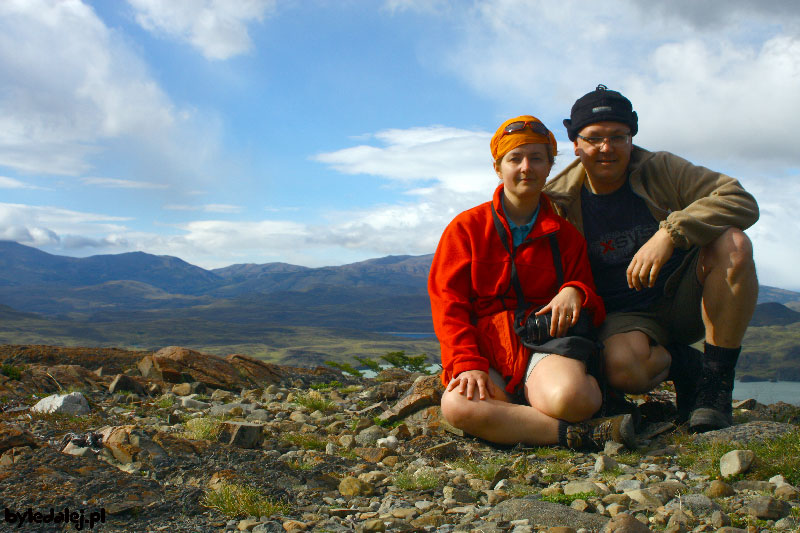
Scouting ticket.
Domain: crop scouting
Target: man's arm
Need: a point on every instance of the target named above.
(705, 204)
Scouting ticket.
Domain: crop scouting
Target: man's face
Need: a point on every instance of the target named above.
(606, 162)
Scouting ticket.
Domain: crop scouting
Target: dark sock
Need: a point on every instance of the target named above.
(718, 359)
(562, 432)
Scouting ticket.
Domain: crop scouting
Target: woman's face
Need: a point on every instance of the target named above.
(524, 171)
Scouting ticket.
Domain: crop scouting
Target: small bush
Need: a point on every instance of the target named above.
(347, 368)
(11, 372)
(327, 386)
(399, 359)
(240, 501)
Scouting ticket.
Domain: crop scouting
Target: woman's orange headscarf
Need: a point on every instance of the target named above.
(502, 143)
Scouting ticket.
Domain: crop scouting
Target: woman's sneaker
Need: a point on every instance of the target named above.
(593, 434)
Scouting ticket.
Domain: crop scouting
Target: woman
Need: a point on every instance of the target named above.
(471, 286)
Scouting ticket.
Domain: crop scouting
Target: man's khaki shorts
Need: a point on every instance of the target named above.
(675, 317)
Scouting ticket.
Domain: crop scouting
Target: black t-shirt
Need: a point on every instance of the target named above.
(616, 225)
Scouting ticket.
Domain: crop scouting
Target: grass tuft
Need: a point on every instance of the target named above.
(203, 428)
(315, 401)
(240, 501)
(305, 441)
(420, 480)
(567, 499)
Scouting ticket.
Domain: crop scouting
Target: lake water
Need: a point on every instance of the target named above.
(768, 392)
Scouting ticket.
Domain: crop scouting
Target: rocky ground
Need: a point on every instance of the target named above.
(180, 441)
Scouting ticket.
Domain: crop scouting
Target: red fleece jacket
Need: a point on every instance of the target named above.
(472, 269)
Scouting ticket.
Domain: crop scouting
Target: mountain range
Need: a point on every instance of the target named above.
(140, 290)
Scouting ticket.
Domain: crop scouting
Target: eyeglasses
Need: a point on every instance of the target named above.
(536, 127)
(613, 140)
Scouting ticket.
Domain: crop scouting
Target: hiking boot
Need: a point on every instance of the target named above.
(616, 403)
(593, 434)
(685, 372)
(713, 409)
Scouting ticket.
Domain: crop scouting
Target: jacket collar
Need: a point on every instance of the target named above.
(565, 188)
(546, 222)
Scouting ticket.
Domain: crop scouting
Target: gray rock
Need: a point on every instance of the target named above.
(546, 514)
(126, 383)
(625, 523)
(769, 508)
(736, 462)
(241, 434)
(699, 504)
(575, 487)
(73, 403)
(605, 463)
(626, 485)
(369, 436)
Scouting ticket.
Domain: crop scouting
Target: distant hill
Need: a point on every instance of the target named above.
(23, 266)
(773, 314)
(773, 294)
(275, 310)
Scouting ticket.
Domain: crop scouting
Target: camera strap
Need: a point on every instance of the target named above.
(522, 305)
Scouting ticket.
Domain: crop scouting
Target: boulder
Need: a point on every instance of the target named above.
(425, 392)
(71, 404)
(210, 370)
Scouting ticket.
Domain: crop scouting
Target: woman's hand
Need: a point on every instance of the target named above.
(466, 382)
(565, 308)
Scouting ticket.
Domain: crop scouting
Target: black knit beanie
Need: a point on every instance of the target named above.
(598, 106)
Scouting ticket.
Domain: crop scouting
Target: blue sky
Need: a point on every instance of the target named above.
(322, 132)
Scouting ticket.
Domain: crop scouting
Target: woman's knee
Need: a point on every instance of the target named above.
(461, 412)
(564, 390)
(575, 400)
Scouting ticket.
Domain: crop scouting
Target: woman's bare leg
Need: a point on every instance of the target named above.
(559, 387)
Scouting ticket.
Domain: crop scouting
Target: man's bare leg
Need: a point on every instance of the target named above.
(730, 291)
(633, 364)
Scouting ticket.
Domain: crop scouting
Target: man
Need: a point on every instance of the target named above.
(669, 258)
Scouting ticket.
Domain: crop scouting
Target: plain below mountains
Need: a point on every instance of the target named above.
(143, 300)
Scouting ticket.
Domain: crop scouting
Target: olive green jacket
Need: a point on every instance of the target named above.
(694, 204)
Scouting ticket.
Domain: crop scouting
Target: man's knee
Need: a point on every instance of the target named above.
(630, 364)
(732, 251)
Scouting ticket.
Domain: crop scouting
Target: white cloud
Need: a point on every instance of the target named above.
(75, 94)
(458, 159)
(53, 226)
(68, 83)
(11, 183)
(218, 28)
(208, 208)
(700, 88)
(122, 184)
